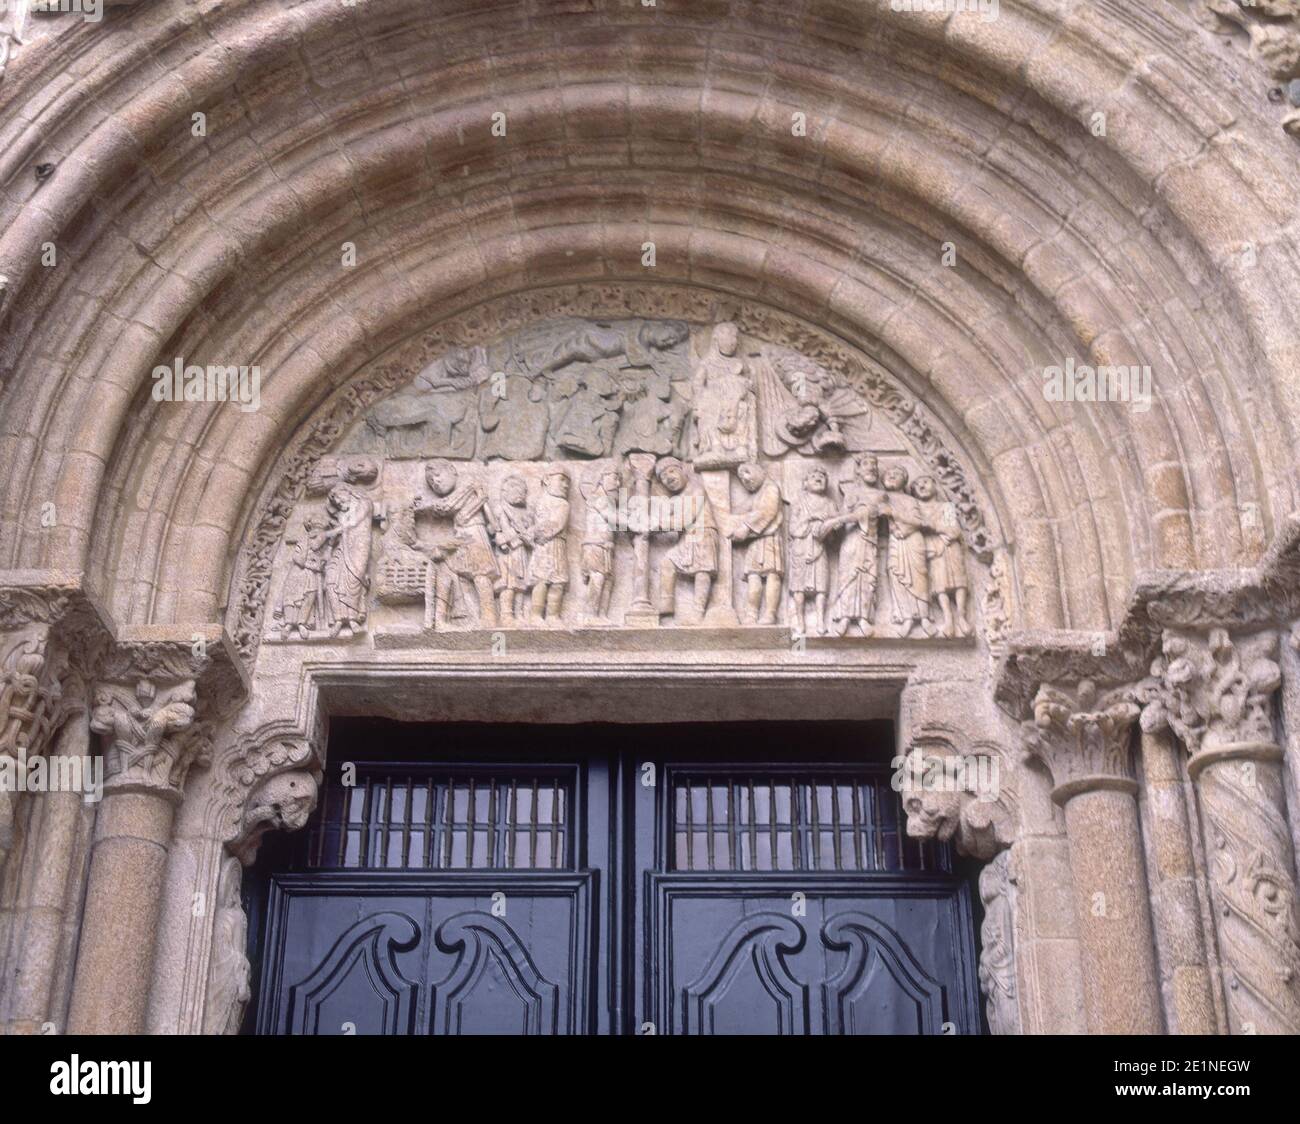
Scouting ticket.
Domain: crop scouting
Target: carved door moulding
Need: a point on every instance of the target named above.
(601, 461)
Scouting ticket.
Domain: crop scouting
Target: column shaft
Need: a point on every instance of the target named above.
(1119, 970)
(1252, 884)
(1180, 935)
(110, 992)
(55, 892)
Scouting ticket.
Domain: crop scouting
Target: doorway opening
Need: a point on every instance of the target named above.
(691, 878)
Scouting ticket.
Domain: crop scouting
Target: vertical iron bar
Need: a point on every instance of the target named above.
(367, 811)
(406, 823)
(448, 822)
(816, 855)
(512, 819)
(555, 823)
(877, 830)
(532, 834)
(690, 827)
(708, 822)
(732, 804)
(471, 814)
(859, 828)
(797, 856)
(428, 823)
(388, 818)
(753, 828)
(835, 822)
(771, 822)
(343, 826)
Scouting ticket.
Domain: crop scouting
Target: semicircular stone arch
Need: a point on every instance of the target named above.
(505, 268)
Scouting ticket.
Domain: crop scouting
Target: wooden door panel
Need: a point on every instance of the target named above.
(746, 956)
(490, 953)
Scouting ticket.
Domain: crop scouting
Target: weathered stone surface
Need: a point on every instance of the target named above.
(652, 362)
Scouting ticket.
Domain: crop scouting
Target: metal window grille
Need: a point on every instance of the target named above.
(402, 818)
(837, 821)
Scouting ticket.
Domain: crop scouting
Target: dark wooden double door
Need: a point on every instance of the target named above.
(698, 879)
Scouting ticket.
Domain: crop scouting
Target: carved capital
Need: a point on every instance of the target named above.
(1083, 735)
(51, 635)
(161, 691)
(954, 796)
(1213, 690)
(151, 736)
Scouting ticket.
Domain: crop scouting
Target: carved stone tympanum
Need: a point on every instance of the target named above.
(625, 458)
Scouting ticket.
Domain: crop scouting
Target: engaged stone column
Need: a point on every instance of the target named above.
(1216, 693)
(1180, 931)
(151, 744)
(55, 888)
(1084, 738)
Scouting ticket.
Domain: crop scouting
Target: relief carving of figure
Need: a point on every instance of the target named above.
(813, 519)
(696, 552)
(513, 538)
(761, 527)
(802, 408)
(653, 347)
(305, 601)
(949, 583)
(855, 589)
(549, 570)
(471, 556)
(230, 973)
(726, 432)
(598, 540)
(909, 574)
(347, 571)
(675, 407)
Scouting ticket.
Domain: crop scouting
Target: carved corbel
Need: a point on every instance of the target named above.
(268, 783)
(282, 800)
(955, 796)
(968, 798)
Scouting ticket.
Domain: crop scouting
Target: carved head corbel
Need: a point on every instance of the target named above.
(951, 795)
(282, 802)
(269, 784)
